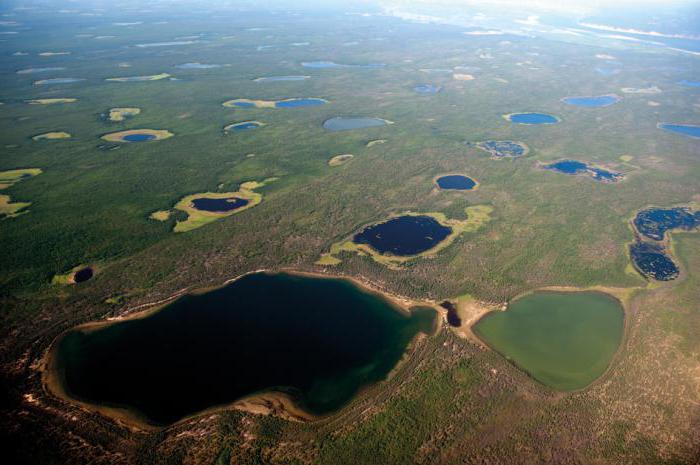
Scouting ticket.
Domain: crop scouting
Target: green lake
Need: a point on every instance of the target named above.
(565, 340)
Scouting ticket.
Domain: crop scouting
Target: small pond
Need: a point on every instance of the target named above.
(651, 261)
(455, 182)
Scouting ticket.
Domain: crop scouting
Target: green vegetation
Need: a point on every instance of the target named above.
(94, 201)
(9, 209)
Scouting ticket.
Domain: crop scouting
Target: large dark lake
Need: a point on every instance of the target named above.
(319, 340)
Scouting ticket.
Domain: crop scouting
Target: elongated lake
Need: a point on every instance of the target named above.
(689, 130)
(318, 340)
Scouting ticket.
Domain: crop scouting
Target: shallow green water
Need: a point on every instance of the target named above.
(565, 340)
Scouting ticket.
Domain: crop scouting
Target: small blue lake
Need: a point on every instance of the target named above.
(332, 64)
(573, 167)
(219, 205)
(592, 102)
(427, 89)
(687, 83)
(404, 235)
(651, 261)
(138, 137)
(455, 182)
(689, 130)
(532, 118)
(341, 123)
(503, 148)
(300, 102)
(654, 222)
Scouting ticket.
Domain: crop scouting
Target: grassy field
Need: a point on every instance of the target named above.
(454, 401)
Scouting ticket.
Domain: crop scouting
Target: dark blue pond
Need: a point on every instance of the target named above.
(456, 182)
(83, 275)
(404, 235)
(685, 82)
(341, 123)
(651, 261)
(300, 102)
(138, 137)
(427, 89)
(599, 101)
(684, 129)
(503, 148)
(654, 222)
(532, 118)
(578, 167)
(332, 64)
(219, 205)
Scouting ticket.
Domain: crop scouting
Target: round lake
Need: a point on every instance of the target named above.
(532, 118)
(565, 340)
(341, 123)
(318, 340)
(455, 182)
(404, 235)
